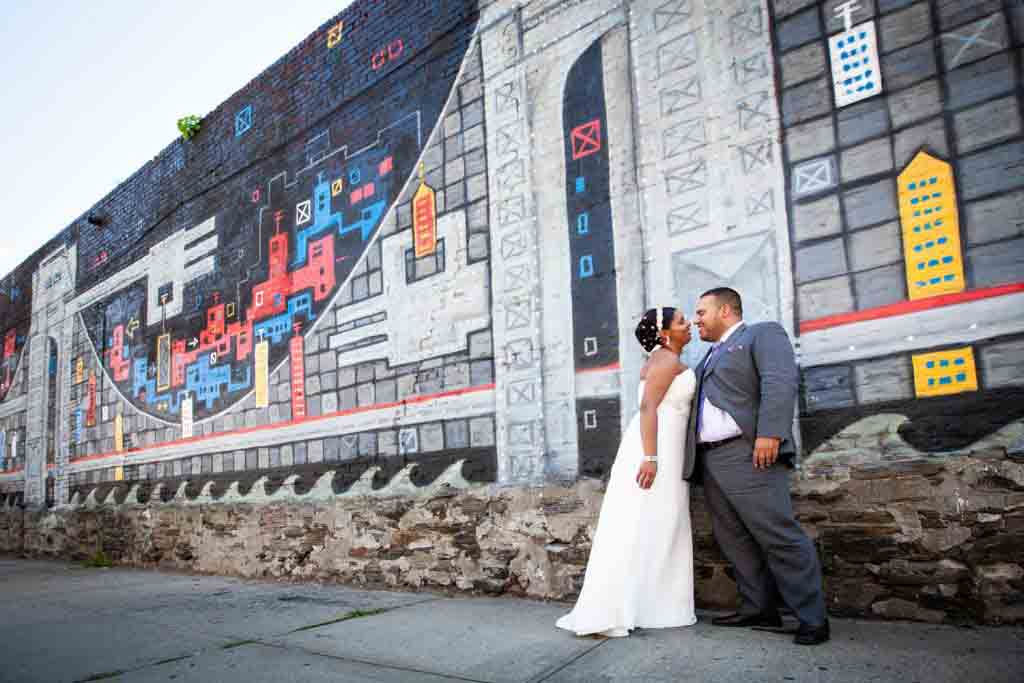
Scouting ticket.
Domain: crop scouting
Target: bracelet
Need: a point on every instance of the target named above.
(650, 458)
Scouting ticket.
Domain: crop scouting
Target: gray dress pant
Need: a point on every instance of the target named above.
(753, 522)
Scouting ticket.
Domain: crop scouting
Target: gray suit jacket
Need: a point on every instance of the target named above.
(754, 378)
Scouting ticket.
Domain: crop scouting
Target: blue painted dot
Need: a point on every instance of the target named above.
(961, 377)
(944, 364)
(942, 240)
(934, 262)
(932, 181)
(931, 382)
(949, 278)
(929, 245)
(917, 248)
(930, 364)
(959, 361)
(938, 222)
(946, 380)
(864, 48)
(912, 186)
(917, 228)
(936, 280)
(870, 86)
(920, 266)
(920, 283)
(915, 200)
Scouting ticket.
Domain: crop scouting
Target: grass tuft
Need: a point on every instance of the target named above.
(354, 614)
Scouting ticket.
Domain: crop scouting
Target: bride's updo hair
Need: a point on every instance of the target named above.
(647, 330)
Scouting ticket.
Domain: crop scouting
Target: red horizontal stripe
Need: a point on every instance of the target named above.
(303, 420)
(604, 368)
(905, 307)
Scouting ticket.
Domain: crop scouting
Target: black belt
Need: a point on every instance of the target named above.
(711, 445)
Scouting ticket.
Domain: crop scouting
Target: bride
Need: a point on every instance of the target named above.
(640, 572)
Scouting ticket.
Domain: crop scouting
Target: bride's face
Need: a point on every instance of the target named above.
(679, 330)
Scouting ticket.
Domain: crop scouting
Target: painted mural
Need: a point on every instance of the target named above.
(15, 319)
(903, 201)
(225, 300)
(592, 256)
(409, 255)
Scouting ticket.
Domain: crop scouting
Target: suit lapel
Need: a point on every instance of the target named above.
(722, 350)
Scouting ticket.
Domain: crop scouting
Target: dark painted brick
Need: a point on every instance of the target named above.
(821, 260)
(996, 264)
(806, 101)
(880, 287)
(956, 12)
(993, 170)
(908, 66)
(870, 204)
(827, 387)
(799, 29)
(979, 81)
(890, 5)
(863, 120)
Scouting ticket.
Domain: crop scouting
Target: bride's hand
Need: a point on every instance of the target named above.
(645, 477)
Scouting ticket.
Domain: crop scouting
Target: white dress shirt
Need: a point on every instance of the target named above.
(715, 423)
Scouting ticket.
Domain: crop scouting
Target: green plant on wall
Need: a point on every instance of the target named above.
(189, 126)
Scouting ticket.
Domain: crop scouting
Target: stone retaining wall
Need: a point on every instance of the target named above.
(924, 539)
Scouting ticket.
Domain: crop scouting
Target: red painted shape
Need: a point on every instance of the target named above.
(9, 341)
(270, 297)
(368, 190)
(613, 367)
(586, 139)
(905, 307)
(356, 196)
(387, 54)
(318, 273)
(385, 166)
(297, 349)
(90, 408)
(118, 364)
(426, 398)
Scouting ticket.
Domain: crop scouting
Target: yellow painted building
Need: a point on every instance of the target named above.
(931, 228)
(945, 372)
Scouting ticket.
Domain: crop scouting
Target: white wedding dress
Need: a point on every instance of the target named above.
(640, 571)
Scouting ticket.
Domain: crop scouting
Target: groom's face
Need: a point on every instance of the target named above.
(708, 318)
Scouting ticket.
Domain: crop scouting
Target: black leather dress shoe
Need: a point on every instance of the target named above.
(812, 635)
(769, 619)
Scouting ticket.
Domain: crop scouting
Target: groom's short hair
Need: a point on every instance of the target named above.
(727, 295)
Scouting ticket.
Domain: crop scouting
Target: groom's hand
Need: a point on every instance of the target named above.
(766, 451)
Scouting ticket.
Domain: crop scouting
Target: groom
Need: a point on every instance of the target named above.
(740, 445)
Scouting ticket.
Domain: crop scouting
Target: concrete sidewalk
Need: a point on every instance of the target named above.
(62, 622)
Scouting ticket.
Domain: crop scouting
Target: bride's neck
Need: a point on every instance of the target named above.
(674, 348)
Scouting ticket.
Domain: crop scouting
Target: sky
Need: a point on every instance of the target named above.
(93, 90)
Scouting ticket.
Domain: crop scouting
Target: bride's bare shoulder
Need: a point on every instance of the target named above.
(662, 362)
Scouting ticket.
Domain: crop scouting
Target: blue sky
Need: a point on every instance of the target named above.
(92, 91)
